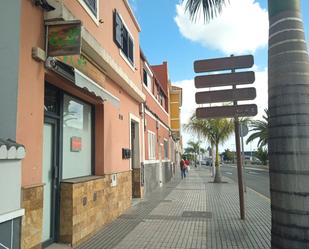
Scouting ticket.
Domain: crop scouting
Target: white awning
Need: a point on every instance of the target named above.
(82, 81)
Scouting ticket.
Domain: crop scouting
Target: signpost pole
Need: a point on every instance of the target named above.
(239, 167)
(243, 155)
(227, 95)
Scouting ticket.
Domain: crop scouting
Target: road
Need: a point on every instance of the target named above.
(256, 178)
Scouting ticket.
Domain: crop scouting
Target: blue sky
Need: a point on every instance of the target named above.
(168, 35)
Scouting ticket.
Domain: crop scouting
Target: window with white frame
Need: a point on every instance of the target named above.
(123, 38)
(147, 79)
(151, 145)
(92, 5)
(165, 149)
(92, 8)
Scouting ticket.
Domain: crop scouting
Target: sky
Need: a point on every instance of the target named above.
(167, 34)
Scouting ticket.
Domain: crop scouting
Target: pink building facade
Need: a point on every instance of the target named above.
(159, 165)
(92, 134)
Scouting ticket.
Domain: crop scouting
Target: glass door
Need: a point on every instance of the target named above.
(49, 178)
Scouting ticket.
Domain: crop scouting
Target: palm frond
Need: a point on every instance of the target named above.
(260, 128)
(210, 8)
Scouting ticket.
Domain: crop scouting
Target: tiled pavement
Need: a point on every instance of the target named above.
(192, 213)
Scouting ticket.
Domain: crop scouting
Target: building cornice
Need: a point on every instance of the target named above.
(132, 15)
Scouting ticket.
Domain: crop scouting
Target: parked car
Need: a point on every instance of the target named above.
(209, 162)
(256, 161)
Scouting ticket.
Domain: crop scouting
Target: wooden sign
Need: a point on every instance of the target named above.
(63, 38)
(225, 63)
(227, 111)
(226, 79)
(229, 95)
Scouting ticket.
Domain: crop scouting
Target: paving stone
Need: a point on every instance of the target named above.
(211, 219)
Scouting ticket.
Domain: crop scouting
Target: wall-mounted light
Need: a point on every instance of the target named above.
(44, 5)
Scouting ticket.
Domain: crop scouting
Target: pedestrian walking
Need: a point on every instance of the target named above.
(183, 168)
(187, 164)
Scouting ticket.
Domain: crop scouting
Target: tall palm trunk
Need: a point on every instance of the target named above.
(218, 177)
(288, 125)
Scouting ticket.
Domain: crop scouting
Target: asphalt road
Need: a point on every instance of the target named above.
(256, 178)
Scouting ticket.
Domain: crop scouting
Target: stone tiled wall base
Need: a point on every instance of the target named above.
(31, 231)
(151, 177)
(167, 171)
(87, 206)
(137, 189)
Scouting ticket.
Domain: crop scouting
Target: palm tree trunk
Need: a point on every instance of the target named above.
(218, 177)
(288, 76)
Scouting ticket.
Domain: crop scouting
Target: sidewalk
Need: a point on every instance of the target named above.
(191, 213)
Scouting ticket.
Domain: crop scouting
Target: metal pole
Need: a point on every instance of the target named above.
(199, 150)
(239, 168)
(243, 156)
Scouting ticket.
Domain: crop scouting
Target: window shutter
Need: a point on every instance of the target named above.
(145, 78)
(118, 30)
(130, 48)
(125, 46)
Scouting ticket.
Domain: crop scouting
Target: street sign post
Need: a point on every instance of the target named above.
(225, 79)
(230, 95)
(225, 95)
(225, 63)
(226, 111)
(244, 130)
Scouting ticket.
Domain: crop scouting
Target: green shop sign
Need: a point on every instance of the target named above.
(63, 38)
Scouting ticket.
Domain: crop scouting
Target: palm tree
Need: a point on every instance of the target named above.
(216, 131)
(193, 148)
(288, 88)
(260, 128)
(262, 155)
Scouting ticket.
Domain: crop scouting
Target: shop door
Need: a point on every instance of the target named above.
(49, 178)
(135, 161)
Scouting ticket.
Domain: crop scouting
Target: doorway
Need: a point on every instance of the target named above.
(135, 159)
(50, 174)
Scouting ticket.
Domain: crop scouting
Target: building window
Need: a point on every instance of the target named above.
(165, 149)
(123, 38)
(77, 138)
(147, 79)
(93, 6)
(51, 100)
(151, 145)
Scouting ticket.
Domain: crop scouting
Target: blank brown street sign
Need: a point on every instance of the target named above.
(225, 63)
(225, 79)
(226, 111)
(225, 95)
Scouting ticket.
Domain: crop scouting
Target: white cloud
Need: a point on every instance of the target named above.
(189, 105)
(241, 27)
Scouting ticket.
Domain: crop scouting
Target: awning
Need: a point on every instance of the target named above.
(81, 80)
(85, 82)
